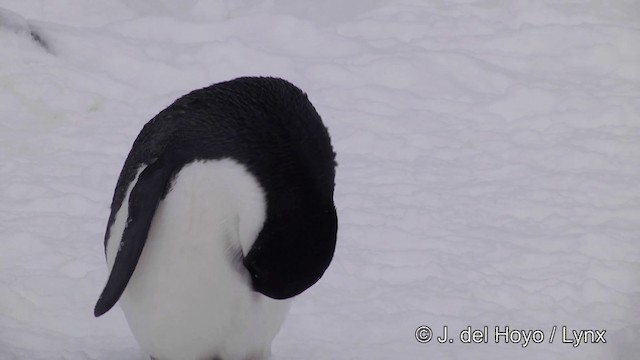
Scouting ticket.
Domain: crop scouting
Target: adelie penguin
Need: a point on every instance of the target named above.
(222, 213)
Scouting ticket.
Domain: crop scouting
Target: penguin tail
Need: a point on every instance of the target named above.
(150, 188)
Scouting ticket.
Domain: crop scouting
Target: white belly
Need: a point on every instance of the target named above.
(189, 297)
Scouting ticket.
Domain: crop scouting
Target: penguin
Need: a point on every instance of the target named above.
(222, 213)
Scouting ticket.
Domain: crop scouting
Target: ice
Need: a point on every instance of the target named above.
(489, 155)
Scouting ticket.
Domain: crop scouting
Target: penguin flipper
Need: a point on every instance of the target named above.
(150, 188)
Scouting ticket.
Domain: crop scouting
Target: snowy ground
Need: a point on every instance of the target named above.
(489, 156)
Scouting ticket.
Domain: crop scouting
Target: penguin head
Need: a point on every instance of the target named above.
(293, 250)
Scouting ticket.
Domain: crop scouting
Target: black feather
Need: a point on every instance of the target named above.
(269, 126)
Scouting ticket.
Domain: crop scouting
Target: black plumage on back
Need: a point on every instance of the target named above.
(269, 126)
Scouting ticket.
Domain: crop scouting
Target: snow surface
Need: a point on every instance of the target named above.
(489, 155)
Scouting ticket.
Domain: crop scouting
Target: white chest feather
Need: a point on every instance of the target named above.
(189, 297)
